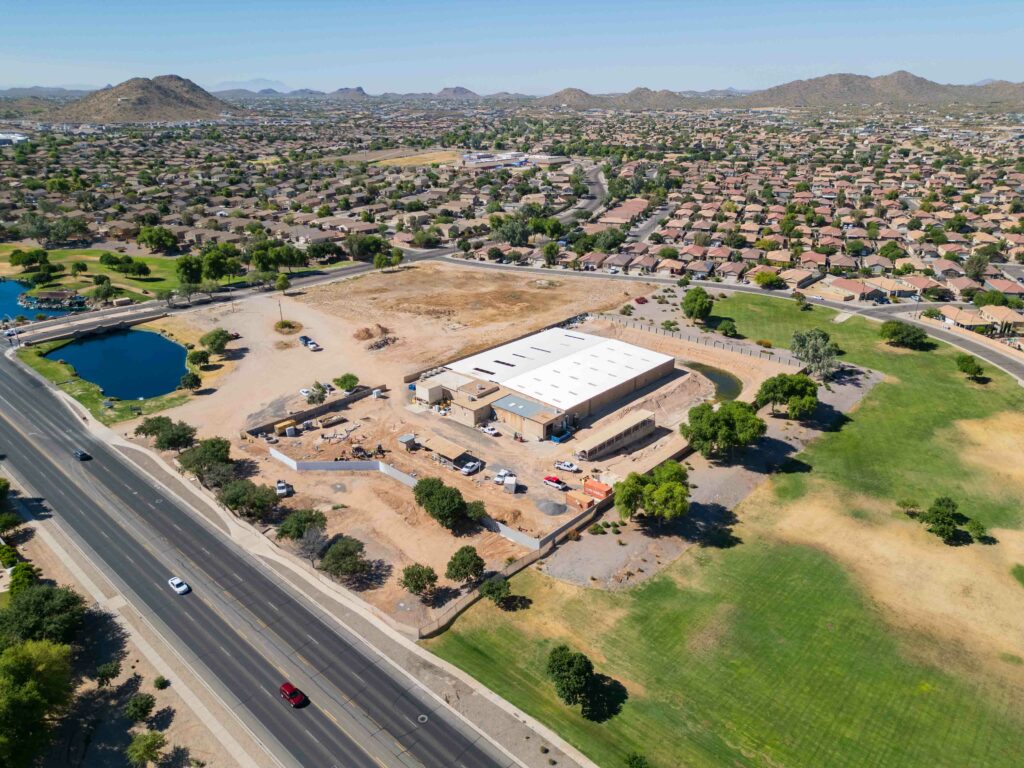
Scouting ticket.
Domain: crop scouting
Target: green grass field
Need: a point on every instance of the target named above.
(767, 653)
(899, 443)
(773, 659)
(89, 394)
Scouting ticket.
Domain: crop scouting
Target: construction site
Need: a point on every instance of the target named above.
(535, 413)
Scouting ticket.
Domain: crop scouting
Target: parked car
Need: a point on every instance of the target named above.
(470, 467)
(305, 391)
(81, 455)
(641, 299)
(178, 585)
(499, 477)
(304, 340)
(292, 695)
(489, 430)
(613, 271)
(566, 466)
(313, 347)
(282, 488)
(555, 482)
(11, 332)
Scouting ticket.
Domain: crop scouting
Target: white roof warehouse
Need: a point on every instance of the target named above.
(571, 373)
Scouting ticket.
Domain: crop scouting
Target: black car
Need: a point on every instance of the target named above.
(81, 455)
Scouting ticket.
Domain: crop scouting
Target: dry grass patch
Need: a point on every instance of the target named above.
(963, 596)
(994, 447)
(424, 158)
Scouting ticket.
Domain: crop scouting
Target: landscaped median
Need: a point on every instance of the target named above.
(64, 377)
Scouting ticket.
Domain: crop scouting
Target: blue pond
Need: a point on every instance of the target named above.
(9, 292)
(126, 364)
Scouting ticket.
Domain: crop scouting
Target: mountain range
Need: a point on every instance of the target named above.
(172, 98)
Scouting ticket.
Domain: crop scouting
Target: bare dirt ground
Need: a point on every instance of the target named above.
(94, 733)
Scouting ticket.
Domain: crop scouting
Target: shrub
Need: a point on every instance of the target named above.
(161, 682)
(496, 589)
(764, 343)
(107, 672)
(139, 707)
(418, 579)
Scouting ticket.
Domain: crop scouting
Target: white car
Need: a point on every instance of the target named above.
(305, 392)
(489, 430)
(282, 488)
(178, 585)
(566, 466)
(11, 332)
(313, 346)
(499, 478)
(613, 271)
(470, 467)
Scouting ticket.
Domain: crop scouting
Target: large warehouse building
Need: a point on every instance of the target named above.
(545, 383)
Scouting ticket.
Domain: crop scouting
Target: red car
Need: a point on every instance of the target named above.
(641, 299)
(292, 695)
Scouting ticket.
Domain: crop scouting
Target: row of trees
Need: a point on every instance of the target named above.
(945, 520)
(446, 504)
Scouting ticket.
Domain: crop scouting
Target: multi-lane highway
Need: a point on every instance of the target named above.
(241, 627)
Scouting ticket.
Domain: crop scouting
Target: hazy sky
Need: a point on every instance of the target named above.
(516, 45)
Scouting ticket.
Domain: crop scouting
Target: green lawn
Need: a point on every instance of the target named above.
(774, 659)
(89, 394)
(900, 442)
(767, 653)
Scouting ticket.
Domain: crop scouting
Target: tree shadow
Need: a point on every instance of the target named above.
(161, 719)
(234, 353)
(375, 576)
(441, 596)
(514, 603)
(959, 538)
(714, 321)
(108, 639)
(706, 524)
(604, 698)
(245, 468)
(178, 757)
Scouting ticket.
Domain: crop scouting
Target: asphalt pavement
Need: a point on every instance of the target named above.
(249, 631)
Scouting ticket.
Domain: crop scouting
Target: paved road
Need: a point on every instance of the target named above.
(246, 628)
(596, 186)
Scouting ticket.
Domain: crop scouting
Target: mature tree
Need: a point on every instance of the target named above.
(282, 283)
(969, 366)
(717, 433)
(248, 499)
(317, 394)
(418, 579)
(35, 688)
(42, 612)
(216, 341)
(443, 503)
(496, 589)
(191, 381)
(107, 672)
(798, 391)
(900, 334)
(975, 266)
(629, 494)
(347, 382)
(295, 523)
(571, 672)
(312, 542)
(344, 558)
(145, 748)
(175, 437)
(9, 521)
(139, 707)
(817, 351)
(198, 357)
(769, 280)
(23, 575)
(465, 565)
(201, 458)
(697, 304)
(157, 239)
(666, 500)
(727, 328)
(189, 269)
(942, 518)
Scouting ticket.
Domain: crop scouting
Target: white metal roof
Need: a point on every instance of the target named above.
(560, 367)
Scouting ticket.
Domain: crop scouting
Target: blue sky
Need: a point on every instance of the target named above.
(518, 45)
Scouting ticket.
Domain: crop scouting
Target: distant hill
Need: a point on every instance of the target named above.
(42, 92)
(456, 93)
(349, 94)
(255, 85)
(167, 98)
(24, 106)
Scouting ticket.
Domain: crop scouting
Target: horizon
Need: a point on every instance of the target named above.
(534, 49)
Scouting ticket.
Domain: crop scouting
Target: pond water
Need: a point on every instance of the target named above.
(9, 292)
(130, 365)
(727, 386)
